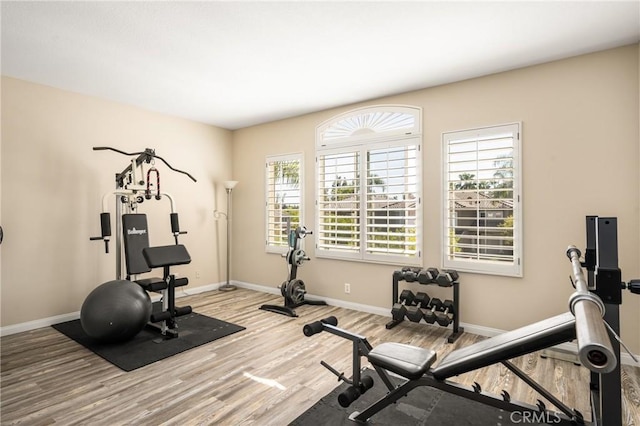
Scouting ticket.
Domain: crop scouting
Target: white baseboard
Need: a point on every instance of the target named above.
(57, 319)
(256, 287)
(480, 330)
(192, 291)
(333, 302)
(40, 323)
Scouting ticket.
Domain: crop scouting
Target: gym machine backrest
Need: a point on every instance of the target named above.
(530, 338)
(136, 238)
(584, 323)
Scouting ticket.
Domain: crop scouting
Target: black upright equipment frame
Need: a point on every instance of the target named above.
(293, 289)
(604, 278)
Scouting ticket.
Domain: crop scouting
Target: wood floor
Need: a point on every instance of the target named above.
(266, 375)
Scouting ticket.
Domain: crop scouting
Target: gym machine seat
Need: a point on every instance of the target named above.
(408, 361)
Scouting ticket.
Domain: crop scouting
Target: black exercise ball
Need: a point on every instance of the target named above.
(115, 311)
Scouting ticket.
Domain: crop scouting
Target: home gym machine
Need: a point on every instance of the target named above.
(133, 187)
(293, 289)
(590, 322)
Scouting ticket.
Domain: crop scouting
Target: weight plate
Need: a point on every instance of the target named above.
(298, 257)
(296, 290)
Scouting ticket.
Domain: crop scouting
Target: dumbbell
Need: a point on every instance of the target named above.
(447, 277)
(398, 311)
(414, 313)
(421, 299)
(445, 318)
(409, 275)
(430, 315)
(428, 276)
(407, 297)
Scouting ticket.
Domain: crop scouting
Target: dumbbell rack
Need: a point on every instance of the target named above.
(457, 330)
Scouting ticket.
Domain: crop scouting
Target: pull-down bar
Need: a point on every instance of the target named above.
(143, 157)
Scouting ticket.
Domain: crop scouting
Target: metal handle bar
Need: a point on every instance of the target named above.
(154, 155)
(594, 346)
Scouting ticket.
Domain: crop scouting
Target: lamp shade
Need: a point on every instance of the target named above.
(230, 184)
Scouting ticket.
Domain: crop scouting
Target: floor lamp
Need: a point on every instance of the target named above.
(228, 185)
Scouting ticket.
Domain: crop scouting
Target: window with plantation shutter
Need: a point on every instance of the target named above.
(283, 199)
(482, 200)
(339, 215)
(368, 186)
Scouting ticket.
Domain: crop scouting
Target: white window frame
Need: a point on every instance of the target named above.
(362, 130)
(514, 268)
(270, 245)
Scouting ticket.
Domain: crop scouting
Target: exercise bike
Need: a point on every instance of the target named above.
(293, 289)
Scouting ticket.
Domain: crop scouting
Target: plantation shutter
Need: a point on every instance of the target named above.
(283, 199)
(482, 200)
(339, 202)
(392, 200)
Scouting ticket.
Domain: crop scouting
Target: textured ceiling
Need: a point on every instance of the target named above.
(236, 64)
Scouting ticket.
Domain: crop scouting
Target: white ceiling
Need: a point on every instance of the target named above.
(235, 64)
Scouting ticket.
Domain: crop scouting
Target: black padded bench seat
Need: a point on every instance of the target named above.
(152, 284)
(164, 256)
(408, 361)
(175, 254)
(524, 340)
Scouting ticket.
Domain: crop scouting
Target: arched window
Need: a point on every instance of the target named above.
(368, 185)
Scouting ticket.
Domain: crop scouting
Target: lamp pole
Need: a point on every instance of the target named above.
(228, 185)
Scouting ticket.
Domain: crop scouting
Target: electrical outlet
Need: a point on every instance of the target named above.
(347, 288)
(197, 274)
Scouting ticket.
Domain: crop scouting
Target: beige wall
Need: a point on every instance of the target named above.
(580, 157)
(52, 185)
(581, 151)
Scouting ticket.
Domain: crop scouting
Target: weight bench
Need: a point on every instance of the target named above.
(414, 364)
